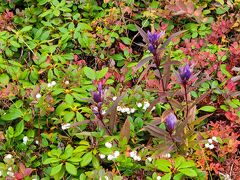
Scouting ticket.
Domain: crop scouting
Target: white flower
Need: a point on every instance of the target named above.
(207, 145)
(210, 141)
(37, 142)
(53, 83)
(25, 140)
(128, 112)
(8, 156)
(10, 169)
(106, 178)
(116, 154)
(66, 82)
(153, 108)
(133, 154)
(139, 105)
(137, 158)
(114, 98)
(49, 85)
(168, 155)
(146, 105)
(9, 173)
(214, 139)
(211, 146)
(159, 177)
(103, 112)
(132, 110)
(119, 108)
(123, 110)
(102, 156)
(0, 173)
(110, 157)
(66, 126)
(149, 159)
(108, 144)
(38, 95)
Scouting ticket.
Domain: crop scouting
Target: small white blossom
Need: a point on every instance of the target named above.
(108, 144)
(119, 108)
(116, 154)
(210, 141)
(133, 154)
(38, 95)
(37, 142)
(66, 82)
(123, 110)
(149, 159)
(211, 146)
(53, 83)
(8, 156)
(168, 155)
(128, 112)
(207, 145)
(214, 139)
(106, 177)
(102, 156)
(103, 112)
(159, 177)
(139, 105)
(10, 169)
(49, 85)
(25, 140)
(66, 126)
(132, 110)
(110, 157)
(0, 173)
(153, 108)
(114, 98)
(137, 158)
(9, 173)
(146, 105)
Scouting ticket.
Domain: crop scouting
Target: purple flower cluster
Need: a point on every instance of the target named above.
(171, 121)
(184, 74)
(154, 40)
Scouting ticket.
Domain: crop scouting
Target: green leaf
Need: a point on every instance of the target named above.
(56, 169)
(187, 164)
(71, 169)
(19, 128)
(163, 165)
(126, 40)
(12, 114)
(15, 44)
(86, 159)
(69, 99)
(4, 79)
(51, 160)
(178, 161)
(68, 116)
(90, 73)
(178, 176)
(26, 28)
(118, 57)
(208, 108)
(189, 172)
(224, 70)
(167, 176)
(102, 73)
(67, 153)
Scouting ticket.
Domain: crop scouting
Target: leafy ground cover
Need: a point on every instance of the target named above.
(119, 89)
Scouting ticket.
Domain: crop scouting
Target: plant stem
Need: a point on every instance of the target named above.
(186, 99)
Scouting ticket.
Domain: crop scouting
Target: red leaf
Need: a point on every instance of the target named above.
(231, 116)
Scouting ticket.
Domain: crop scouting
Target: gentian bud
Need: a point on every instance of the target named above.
(171, 121)
(153, 40)
(184, 74)
(97, 97)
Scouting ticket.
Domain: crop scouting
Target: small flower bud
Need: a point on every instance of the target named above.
(108, 144)
(184, 74)
(171, 121)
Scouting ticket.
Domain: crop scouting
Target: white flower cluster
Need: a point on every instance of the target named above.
(25, 140)
(113, 156)
(51, 84)
(159, 177)
(210, 144)
(10, 172)
(108, 145)
(134, 155)
(125, 110)
(66, 126)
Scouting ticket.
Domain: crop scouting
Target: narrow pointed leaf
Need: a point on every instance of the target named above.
(143, 34)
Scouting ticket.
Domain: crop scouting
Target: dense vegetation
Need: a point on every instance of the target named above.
(119, 89)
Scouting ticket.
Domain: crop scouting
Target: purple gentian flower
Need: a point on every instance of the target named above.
(153, 40)
(171, 121)
(98, 96)
(184, 73)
